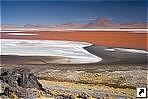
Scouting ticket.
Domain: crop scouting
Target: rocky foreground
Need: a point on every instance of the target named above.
(72, 81)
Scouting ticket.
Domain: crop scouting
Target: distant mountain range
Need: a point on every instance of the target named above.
(98, 23)
(101, 23)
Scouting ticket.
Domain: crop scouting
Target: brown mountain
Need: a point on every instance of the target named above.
(102, 23)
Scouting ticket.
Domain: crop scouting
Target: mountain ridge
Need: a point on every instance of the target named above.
(98, 23)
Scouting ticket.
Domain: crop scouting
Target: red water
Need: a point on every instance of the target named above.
(107, 38)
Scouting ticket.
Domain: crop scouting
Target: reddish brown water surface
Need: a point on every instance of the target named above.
(106, 38)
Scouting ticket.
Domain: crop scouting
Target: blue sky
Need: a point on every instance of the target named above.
(61, 11)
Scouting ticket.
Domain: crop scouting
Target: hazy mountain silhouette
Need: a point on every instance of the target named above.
(101, 22)
(98, 23)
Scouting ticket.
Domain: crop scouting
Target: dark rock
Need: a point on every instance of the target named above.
(83, 96)
(20, 92)
(63, 97)
(19, 80)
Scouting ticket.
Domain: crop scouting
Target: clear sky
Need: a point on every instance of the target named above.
(61, 11)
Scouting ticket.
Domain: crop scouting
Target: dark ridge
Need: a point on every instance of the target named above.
(18, 80)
